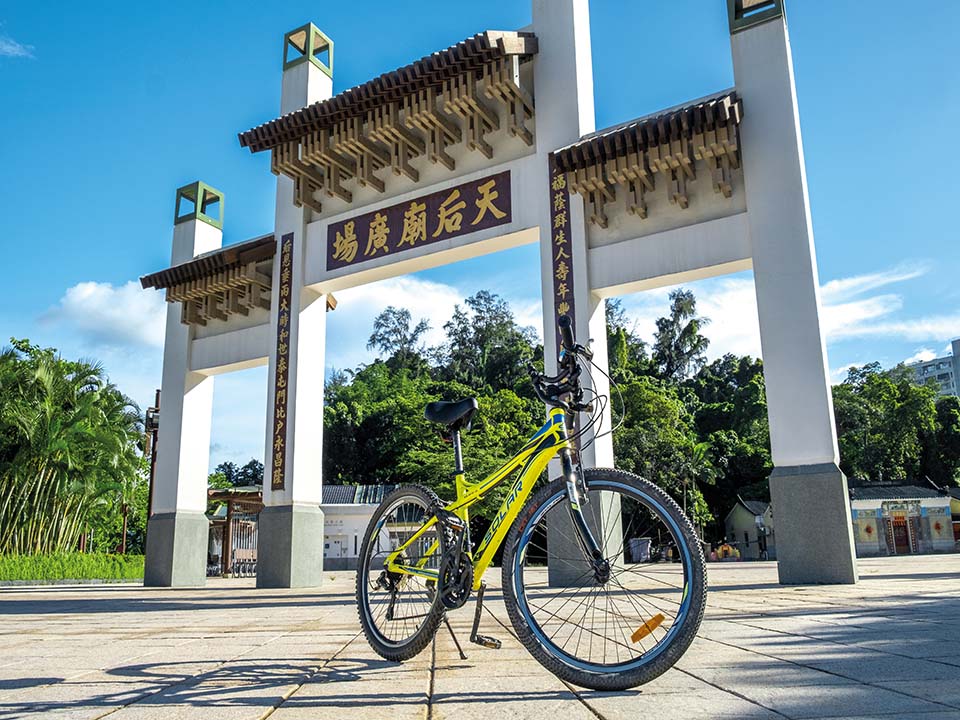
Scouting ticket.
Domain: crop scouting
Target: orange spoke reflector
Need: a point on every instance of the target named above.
(648, 627)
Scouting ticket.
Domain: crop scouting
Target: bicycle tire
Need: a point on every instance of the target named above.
(548, 655)
(415, 644)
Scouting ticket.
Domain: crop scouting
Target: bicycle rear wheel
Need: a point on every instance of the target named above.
(608, 632)
(399, 613)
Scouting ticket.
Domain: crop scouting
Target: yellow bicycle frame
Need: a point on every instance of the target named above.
(533, 458)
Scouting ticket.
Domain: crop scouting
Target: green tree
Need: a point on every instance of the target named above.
(394, 336)
(68, 449)
(679, 347)
(946, 461)
(485, 347)
(226, 472)
(885, 423)
(626, 351)
(658, 441)
(240, 476)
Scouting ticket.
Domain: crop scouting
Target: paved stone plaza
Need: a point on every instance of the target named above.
(888, 647)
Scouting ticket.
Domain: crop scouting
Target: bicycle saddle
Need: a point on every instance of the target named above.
(455, 415)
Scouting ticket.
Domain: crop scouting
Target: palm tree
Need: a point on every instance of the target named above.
(67, 440)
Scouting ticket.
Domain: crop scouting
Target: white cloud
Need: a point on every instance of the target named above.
(848, 316)
(839, 289)
(847, 319)
(934, 327)
(838, 375)
(11, 48)
(921, 355)
(528, 313)
(850, 309)
(350, 325)
(110, 316)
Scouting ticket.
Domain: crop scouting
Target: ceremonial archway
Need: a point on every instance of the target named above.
(484, 146)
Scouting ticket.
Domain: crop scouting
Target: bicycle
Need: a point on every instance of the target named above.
(583, 577)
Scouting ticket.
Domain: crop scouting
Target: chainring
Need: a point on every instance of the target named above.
(456, 581)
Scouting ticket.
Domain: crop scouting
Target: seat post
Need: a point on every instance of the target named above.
(457, 453)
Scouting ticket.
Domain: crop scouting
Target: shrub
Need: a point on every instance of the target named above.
(71, 566)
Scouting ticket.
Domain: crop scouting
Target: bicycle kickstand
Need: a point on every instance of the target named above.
(477, 639)
(456, 642)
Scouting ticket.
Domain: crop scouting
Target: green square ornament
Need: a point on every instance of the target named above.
(305, 44)
(745, 14)
(199, 201)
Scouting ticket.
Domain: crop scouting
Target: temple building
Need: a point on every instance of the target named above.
(486, 145)
(901, 520)
(888, 519)
(234, 525)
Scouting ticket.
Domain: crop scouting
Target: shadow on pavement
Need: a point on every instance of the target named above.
(243, 600)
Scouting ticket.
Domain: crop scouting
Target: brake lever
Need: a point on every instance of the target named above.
(585, 351)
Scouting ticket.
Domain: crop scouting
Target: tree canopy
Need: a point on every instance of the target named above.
(69, 455)
(892, 428)
(71, 465)
(697, 429)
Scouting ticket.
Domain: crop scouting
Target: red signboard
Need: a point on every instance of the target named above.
(282, 370)
(561, 247)
(442, 215)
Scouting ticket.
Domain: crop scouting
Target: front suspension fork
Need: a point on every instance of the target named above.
(588, 543)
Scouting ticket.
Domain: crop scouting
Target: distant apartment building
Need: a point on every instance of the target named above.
(945, 370)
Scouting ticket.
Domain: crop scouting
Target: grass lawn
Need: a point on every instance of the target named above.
(71, 566)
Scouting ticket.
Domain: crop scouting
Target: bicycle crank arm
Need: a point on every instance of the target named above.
(475, 637)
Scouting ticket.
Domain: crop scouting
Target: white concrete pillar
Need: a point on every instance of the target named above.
(290, 538)
(176, 553)
(563, 78)
(809, 493)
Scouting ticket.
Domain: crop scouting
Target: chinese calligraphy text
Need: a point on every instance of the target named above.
(445, 214)
(561, 247)
(279, 454)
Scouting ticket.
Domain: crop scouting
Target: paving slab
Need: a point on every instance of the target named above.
(887, 648)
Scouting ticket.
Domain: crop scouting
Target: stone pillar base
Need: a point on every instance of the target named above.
(176, 550)
(290, 546)
(565, 564)
(814, 534)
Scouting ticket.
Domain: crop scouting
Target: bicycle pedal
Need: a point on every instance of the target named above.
(486, 641)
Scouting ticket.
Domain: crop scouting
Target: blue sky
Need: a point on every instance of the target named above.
(106, 113)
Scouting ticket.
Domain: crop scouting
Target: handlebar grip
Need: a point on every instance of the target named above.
(566, 332)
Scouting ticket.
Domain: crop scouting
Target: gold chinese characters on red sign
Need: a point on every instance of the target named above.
(281, 374)
(561, 265)
(442, 215)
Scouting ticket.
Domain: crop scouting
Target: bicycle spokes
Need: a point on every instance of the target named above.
(611, 621)
(398, 604)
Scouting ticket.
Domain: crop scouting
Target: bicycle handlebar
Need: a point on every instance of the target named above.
(566, 333)
(552, 389)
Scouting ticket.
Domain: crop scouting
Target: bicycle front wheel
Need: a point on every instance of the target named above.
(614, 630)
